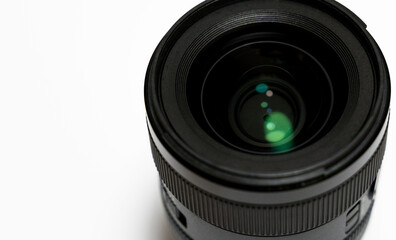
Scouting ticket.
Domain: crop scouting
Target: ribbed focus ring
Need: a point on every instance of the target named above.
(269, 220)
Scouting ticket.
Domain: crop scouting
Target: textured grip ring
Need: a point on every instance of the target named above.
(270, 220)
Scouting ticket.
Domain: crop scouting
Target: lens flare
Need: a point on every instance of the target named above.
(270, 126)
(269, 93)
(262, 88)
(277, 127)
(264, 104)
(276, 136)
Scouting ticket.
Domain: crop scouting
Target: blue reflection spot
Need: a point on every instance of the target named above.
(261, 88)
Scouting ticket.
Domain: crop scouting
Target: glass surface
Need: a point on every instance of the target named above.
(265, 96)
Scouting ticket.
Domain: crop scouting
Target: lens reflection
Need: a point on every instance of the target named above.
(262, 88)
(277, 127)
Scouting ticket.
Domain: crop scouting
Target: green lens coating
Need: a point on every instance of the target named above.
(277, 127)
(264, 104)
(262, 88)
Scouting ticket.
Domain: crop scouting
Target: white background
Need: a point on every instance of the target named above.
(75, 161)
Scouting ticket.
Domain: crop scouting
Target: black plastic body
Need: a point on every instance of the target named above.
(354, 222)
(324, 190)
(344, 206)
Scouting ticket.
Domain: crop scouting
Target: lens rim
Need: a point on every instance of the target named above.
(350, 30)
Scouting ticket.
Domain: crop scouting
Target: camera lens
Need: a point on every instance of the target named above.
(268, 120)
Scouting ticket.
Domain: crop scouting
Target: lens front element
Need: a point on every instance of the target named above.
(261, 96)
(266, 110)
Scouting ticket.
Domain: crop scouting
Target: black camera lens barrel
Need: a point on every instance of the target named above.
(311, 176)
(341, 212)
